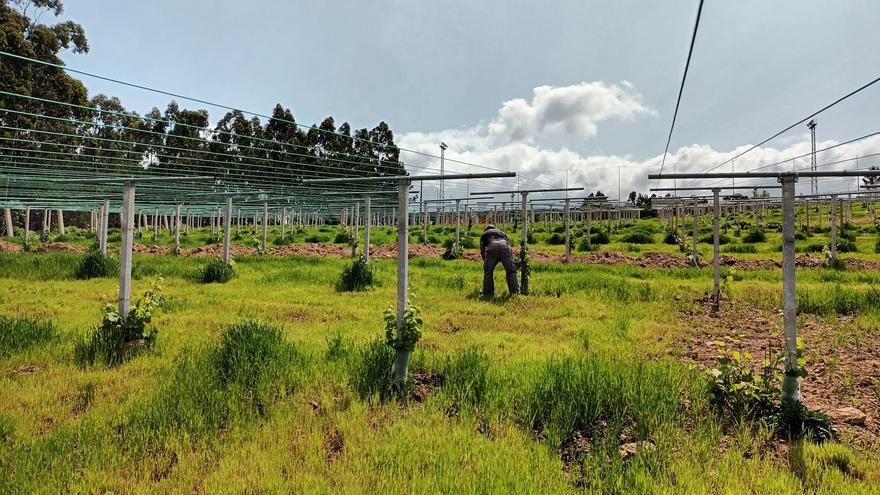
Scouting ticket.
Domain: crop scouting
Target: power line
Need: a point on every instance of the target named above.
(799, 122)
(225, 107)
(681, 88)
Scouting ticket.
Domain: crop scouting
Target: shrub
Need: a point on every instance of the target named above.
(741, 248)
(816, 247)
(722, 239)
(638, 237)
(453, 252)
(556, 239)
(316, 239)
(584, 246)
(96, 264)
(216, 271)
(468, 241)
(344, 237)
(465, 376)
(118, 339)
(19, 334)
(283, 241)
(356, 276)
(600, 237)
(670, 238)
(755, 235)
(845, 245)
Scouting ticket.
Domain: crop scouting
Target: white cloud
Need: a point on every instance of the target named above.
(573, 110)
(540, 166)
(509, 142)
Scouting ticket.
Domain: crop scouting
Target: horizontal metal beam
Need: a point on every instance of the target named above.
(764, 175)
(125, 180)
(392, 178)
(561, 189)
(707, 188)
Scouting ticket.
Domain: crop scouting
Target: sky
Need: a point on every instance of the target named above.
(578, 92)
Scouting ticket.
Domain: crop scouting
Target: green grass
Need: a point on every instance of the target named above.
(270, 382)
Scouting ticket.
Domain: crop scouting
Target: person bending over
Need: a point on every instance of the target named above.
(494, 249)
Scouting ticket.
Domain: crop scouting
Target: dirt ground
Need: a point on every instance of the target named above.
(843, 360)
(58, 246)
(217, 250)
(9, 247)
(389, 251)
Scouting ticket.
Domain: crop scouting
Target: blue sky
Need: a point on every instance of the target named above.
(467, 73)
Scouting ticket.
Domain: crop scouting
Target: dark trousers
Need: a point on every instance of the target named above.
(499, 252)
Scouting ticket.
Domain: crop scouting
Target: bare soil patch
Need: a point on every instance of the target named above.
(333, 444)
(149, 249)
(843, 360)
(217, 250)
(9, 247)
(312, 249)
(423, 383)
(58, 246)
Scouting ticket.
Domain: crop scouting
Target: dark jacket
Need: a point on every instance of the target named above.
(490, 236)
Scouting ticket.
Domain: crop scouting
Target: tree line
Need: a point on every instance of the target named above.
(100, 135)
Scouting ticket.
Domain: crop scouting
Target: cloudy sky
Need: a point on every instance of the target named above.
(577, 89)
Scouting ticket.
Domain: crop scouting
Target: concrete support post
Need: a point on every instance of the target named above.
(227, 231)
(61, 229)
(283, 221)
(401, 359)
(566, 220)
(265, 228)
(156, 225)
(695, 232)
(833, 227)
(104, 223)
(425, 223)
(367, 224)
(716, 259)
(790, 384)
(457, 223)
(357, 228)
(524, 279)
(7, 216)
(27, 224)
(127, 238)
(589, 222)
(177, 229)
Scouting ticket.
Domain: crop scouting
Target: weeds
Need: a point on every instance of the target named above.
(735, 389)
(118, 338)
(96, 264)
(19, 334)
(216, 271)
(599, 396)
(371, 371)
(218, 388)
(465, 376)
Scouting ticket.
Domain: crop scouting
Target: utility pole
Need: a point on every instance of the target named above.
(442, 182)
(814, 181)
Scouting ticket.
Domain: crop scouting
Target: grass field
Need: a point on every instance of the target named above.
(262, 384)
